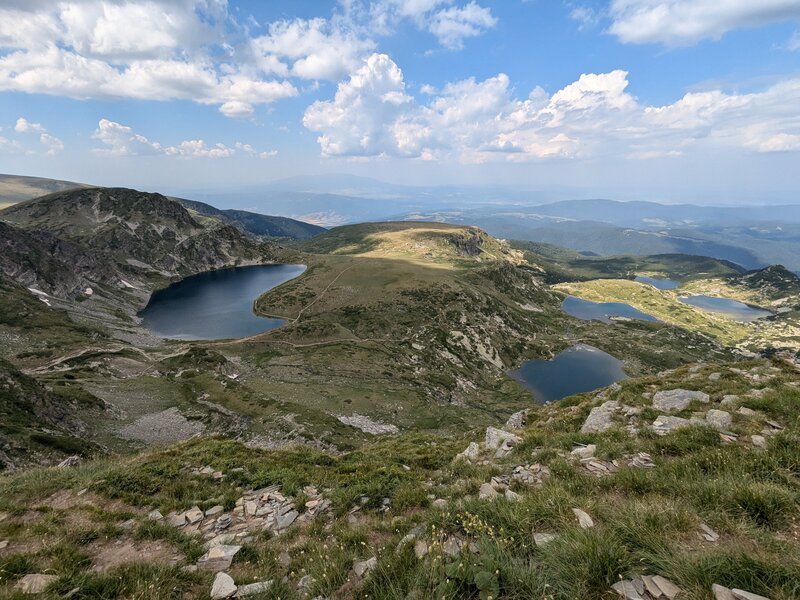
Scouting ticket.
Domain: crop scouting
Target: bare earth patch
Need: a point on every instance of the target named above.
(109, 554)
(165, 427)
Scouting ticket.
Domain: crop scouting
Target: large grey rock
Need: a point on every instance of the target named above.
(487, 492)
(223, 587)
(471, 452)
(719, 419)
(35, 583)
(670, 400)
(584, 451)
(665, 424)
(601, 418)
(518, 419)
(420, 549)
(497, 437)
(218, 558)
(584, 520)
(362, 567)
(251, 589)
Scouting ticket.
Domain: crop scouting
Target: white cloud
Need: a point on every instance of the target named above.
(678, 22)
(475, 121)
(585, 16)
(453, 25)
(25, 126)
(449, 22)
(199, 149)
(121, 140)
(316, 48)
(358, 121)
(52, 144)
(151, 49)
(793, 45)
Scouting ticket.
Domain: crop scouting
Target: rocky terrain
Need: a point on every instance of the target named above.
(374, 445)
(679, 485)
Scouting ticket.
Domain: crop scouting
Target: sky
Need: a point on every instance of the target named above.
(669, 100)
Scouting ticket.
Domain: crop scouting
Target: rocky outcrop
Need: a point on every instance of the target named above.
(675, 400)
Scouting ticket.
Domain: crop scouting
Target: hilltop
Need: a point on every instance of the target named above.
(17, 188)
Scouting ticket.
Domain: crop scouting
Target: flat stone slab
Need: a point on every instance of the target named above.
(673, 400)
(218, 558)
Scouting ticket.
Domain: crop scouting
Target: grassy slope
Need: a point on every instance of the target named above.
(567, 265)
(646, 521)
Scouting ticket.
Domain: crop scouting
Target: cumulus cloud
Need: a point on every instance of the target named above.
(198, 50)
(52, 144)
(122, 140)
(679, 22)
(451, 23)
(372, 114)
(151, 49)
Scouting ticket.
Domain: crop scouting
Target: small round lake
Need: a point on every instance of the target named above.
(734, 309)
(602, 311)
(661, 284)
(579, 369)
(216, 305)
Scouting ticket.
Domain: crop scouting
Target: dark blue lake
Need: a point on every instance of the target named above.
(216, 305)
(579, 369)
(662, 284)
(602, 311)
(731, 308)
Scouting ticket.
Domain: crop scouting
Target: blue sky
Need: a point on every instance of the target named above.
(670, 100)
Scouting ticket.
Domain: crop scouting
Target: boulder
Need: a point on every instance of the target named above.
(69, 462)
(518, 419)
(487, 492)
(729, 399)
(672, 400)
(584, 451)
(665, 424)
(584, 520)
(719, 419)
(759, 441)
(512, 496)
(218, 558)
(35, 583)
(420, 549)
(362, 567)
(194, 515)
(497, 437)
(440, 503)
(471, 452)
(223, 587)
(601, 418)
(253, 589)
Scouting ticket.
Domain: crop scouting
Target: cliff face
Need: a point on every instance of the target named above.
(40, 260)
(65, 242)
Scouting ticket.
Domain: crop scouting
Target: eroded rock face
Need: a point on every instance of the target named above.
(674, 400)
